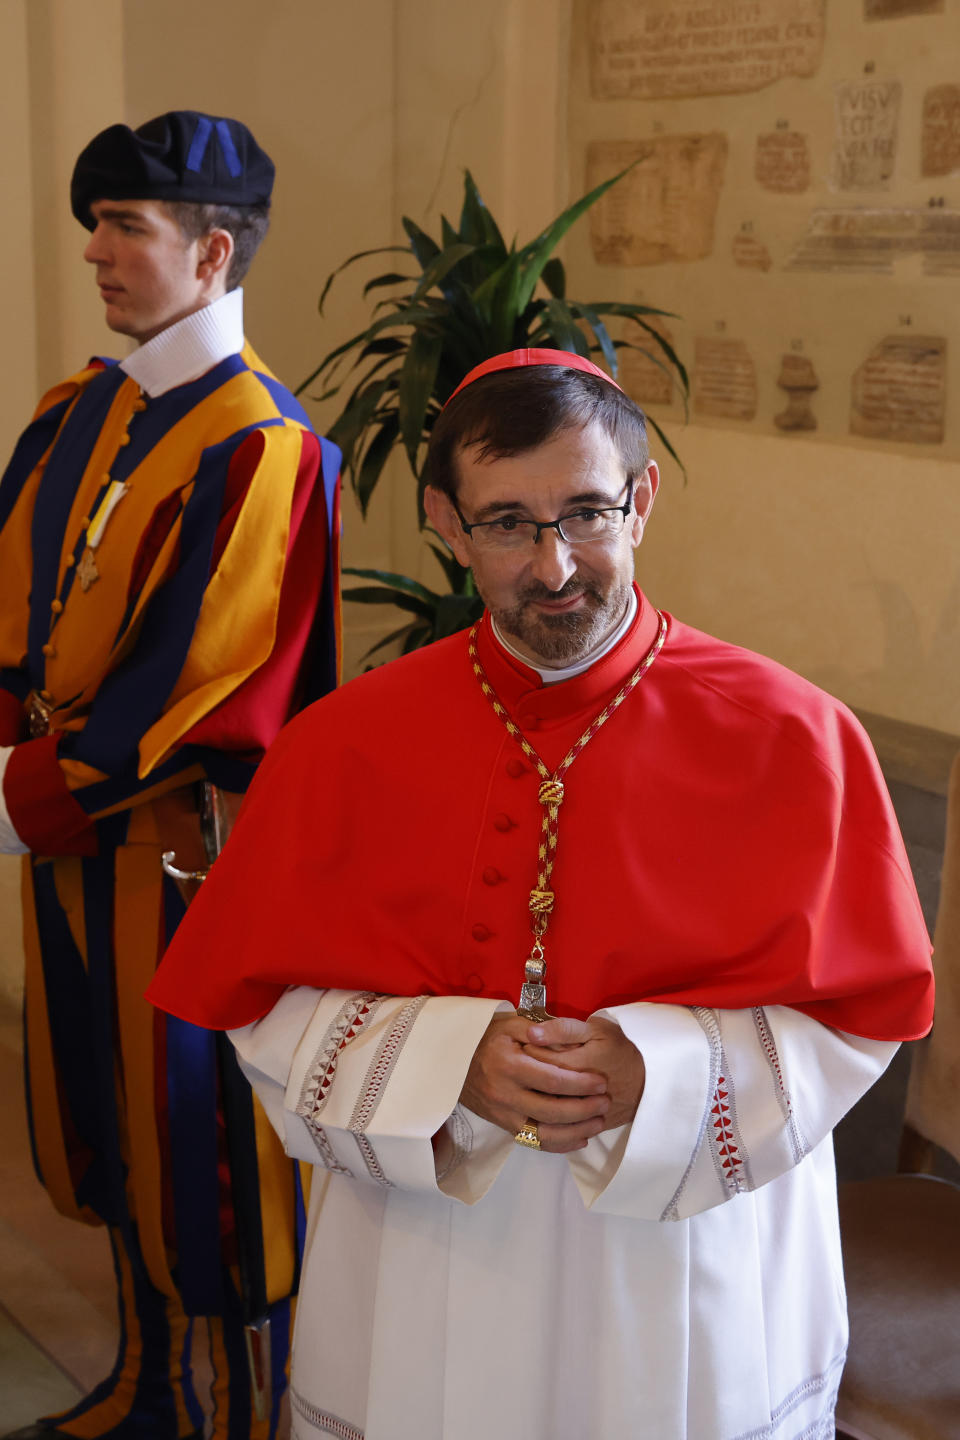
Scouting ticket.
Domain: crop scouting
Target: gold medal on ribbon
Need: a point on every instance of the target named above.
(87, 571)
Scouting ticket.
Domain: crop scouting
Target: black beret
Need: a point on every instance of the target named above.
(183, 155)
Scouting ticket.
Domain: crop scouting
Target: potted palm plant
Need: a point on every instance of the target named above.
(472, 296)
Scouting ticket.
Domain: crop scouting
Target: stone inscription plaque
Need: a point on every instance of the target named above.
(940, 131)
(866, 144)
(783, 162)
(749, 252)
(892, 9)
(666, 207)
(899, 392)
(654, 49)
(869, 241)
(643, 379)
(724, 379)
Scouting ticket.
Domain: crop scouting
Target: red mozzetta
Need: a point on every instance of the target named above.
(725, 840)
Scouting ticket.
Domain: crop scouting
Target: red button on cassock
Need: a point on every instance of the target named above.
(475, 983)
(516, 768)
(480, 932)
(502, 822)
(492, 876)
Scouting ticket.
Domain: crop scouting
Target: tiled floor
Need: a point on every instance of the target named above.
(57, 1308)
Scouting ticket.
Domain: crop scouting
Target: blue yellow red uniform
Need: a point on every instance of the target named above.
(206, 619)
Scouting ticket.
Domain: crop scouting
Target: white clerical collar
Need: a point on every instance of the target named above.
(553, 677)
(190, 348)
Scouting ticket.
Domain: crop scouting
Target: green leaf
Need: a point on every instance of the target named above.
(477, 225)
(373, 370)
(536, 254)
(451, 567)
(330, 360)
(664, 441)
(448, 236)
(351, 421)
(417, 636)
(421, 244)
(391, 278)
(496, 303)
(375, 457)
(389, 577)
(441, 264)
(371, 595)
(407, 315)
(631, 310)
(558, 325)
(456, 612)
(654, 360)
(394, 635)
(360, 255)
(386, 345)
(555, 278)
(601, 332)
(416, 386)
(671, 354)
(375, 373)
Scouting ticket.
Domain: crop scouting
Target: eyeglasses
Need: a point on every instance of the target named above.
(510, 532)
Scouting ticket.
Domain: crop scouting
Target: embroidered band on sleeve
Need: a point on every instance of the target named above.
(325, 1150)
(726, 1142)
(769, 1048)
(374, 1168)
(461, 1135)
(388, 1052)
(709, 1024)
(350, 1019)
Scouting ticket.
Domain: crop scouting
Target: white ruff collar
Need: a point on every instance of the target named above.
(190, 348)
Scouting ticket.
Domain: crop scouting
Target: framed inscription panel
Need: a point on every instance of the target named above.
(659, 49)
(793, 202)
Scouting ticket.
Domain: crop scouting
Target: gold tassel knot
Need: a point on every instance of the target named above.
(541, 902)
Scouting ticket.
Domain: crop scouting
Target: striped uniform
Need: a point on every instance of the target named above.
(209, 618)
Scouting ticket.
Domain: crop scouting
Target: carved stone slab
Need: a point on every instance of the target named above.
(783, 162)
(892, 9)
(749, 252)
(724, 379)
(666, 207)
(652, 49)
(868, 113)
(899, 392)
(940, 132)
(869, 241)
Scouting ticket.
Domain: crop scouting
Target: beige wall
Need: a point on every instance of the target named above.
(840, 562)
(837, 560)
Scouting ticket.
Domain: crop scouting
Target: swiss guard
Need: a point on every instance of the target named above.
(168, 572)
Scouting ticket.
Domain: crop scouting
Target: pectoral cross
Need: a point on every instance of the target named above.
(533, 992)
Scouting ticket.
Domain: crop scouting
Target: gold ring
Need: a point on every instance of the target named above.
(529, 1135)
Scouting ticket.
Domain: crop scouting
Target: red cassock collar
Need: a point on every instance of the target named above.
(726, 840)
